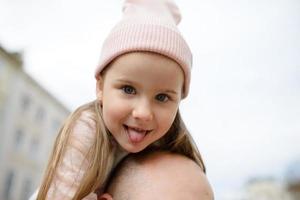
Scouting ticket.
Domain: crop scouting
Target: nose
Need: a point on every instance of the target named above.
(143, 111)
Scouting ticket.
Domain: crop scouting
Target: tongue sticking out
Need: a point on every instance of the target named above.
(136, 136)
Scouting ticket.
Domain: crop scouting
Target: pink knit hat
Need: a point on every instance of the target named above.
(148, 25)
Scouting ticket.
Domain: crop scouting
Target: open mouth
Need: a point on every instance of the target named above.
(135, 134)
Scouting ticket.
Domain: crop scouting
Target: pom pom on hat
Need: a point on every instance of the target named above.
(148, 25)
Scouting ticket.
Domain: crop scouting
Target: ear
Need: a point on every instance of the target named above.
(105, 196)
(99, 87)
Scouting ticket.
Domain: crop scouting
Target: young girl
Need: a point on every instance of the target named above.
(143, 74)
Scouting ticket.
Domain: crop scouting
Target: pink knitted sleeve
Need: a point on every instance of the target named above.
(74, 162)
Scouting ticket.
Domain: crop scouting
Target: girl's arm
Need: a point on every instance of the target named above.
(74, 162)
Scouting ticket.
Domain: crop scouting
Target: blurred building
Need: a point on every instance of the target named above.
(266, 189)
(293, 179)
(294, 189)
(30, 118)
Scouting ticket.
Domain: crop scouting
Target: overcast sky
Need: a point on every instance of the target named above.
(243, 108)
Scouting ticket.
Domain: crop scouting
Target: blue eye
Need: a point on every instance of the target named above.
(128, 89)
(162, 97)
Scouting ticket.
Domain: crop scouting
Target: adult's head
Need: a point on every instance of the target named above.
(159, 175)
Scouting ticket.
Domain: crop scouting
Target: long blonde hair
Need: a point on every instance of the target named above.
(101, 155)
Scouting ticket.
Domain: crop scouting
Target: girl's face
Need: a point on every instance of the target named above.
(140, 94)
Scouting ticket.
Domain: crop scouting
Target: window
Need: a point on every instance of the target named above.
(25, 103)
(40, 114)
(19, 138)
(9, 179)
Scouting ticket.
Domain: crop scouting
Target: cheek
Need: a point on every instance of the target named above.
(166, 119)
(113, 111)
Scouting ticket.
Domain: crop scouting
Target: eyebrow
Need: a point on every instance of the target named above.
(122, 80)
(126, 81)
(171, 91)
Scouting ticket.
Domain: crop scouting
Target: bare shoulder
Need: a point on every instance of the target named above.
(206, 192)
(181, 169)
(198, 179)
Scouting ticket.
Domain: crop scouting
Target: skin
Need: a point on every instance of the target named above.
(160, 176)
(140, 94)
